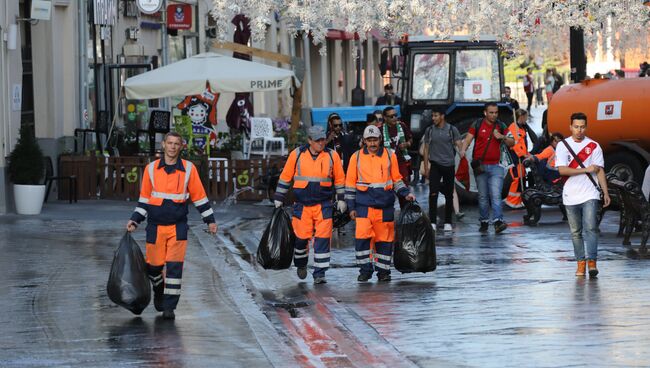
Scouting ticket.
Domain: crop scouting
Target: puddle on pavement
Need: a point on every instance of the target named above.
(291, 308)
(243, 251)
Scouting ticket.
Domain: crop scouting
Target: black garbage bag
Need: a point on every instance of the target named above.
(275, 251)
(128, 284)
(415, 249)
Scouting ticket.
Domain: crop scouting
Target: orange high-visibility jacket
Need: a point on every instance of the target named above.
(314, 179)
(519, 134)
(371, 179)
(548, 154)
(165, 191)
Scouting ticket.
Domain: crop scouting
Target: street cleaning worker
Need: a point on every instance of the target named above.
(517, 130)
(546, 160)
(167, 184)
(317, 173)
(372, 178)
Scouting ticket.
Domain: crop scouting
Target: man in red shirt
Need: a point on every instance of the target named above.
(398, 137)
(490, 133)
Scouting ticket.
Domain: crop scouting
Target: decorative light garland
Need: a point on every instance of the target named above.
(513, 22)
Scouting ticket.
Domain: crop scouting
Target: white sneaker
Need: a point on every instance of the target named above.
(434, 227)
(448, 228)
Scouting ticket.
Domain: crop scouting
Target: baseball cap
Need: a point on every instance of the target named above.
(371, 131)
(316, 132)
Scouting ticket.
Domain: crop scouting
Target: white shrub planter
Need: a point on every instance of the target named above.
(29, 198)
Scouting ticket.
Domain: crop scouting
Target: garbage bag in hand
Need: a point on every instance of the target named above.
(275, 251)
(415, 249)
(128, 284)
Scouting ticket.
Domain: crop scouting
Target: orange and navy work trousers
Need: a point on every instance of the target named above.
(517, 173)
(312, 221)
(166, 245)
(374, 225)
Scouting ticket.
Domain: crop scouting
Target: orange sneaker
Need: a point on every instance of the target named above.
(593, 271)
(582, 265)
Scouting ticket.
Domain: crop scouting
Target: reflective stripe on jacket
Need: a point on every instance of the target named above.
(165, 191)
(371, 179)
(315, 180)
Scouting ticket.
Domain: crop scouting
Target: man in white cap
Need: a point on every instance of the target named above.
(372, 178)
(316, 173)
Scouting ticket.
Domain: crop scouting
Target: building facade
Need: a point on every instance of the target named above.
(64, 74)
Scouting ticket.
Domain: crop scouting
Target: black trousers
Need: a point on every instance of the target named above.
(437, 173)
(529, 96)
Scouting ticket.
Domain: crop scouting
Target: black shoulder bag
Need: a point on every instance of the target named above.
(582, 165)
(477, 165)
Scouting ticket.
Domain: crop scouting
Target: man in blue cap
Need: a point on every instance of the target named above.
(316, 173)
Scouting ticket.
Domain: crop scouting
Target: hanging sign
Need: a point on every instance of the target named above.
(179, 16)
(16, 97)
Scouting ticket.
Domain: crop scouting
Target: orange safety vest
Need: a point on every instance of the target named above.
(313, 179)
(372, 177)
(163, 196)
(519, 134)
(548, 154)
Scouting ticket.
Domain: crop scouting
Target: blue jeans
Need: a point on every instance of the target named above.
(584, 228)
(490, 186)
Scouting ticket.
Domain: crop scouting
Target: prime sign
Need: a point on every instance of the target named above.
(266, 84)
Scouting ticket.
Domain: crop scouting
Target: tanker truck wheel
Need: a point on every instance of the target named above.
(625, 165)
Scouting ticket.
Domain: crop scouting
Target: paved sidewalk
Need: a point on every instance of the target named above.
(56, 311)
(507, 300)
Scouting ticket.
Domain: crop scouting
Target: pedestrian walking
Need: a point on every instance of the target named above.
(558, 80)
(398, 137)
(317, 174)
(488, 134)
(167, 184)
(517, 130)
(529, 87)
(371, 181)
(549, 84)
(581, 159)
(440, 143)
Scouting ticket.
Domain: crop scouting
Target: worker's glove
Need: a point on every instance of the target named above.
(278, 204)
(341, 206)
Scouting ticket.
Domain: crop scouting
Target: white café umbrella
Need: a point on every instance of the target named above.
(225, 74)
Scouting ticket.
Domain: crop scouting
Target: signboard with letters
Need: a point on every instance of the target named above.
(179, 16)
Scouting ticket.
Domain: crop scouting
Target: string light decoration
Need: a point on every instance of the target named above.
(513, 22)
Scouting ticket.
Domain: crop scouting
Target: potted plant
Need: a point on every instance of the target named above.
(26, 172)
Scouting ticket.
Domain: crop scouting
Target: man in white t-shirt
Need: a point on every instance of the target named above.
(580, 195)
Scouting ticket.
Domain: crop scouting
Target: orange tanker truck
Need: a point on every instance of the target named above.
(618, 118)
